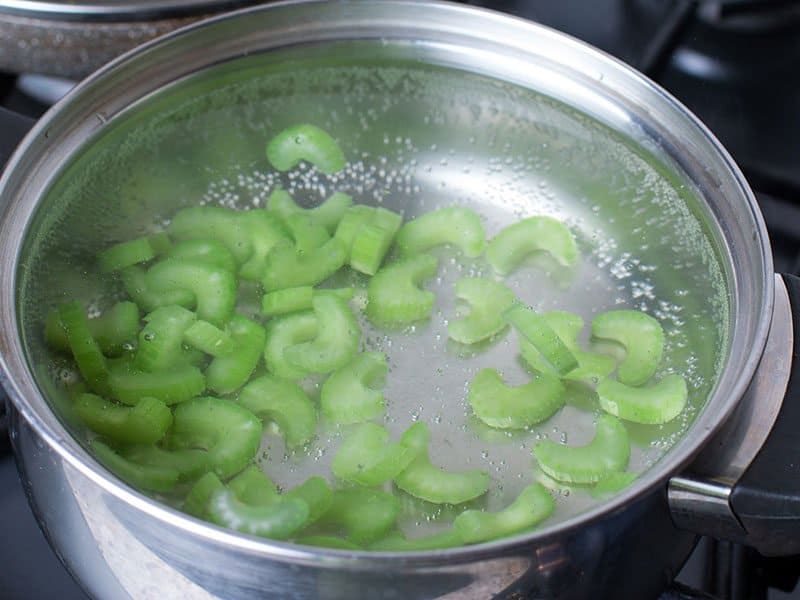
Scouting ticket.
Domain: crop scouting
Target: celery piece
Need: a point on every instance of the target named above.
(161, 339)
(190, 463)
(608, 451)
(231, 371)
(144, 423)
(85, 350)
(505, 407)
(509, 248)
(652, 405)
(196, 501)
(277, 520)
(367, 458)
(134, 279)
(423, 480)
(230, 433)
(125, 254)
(351, 222)
(212, 252)
(114, 331)
(533, 505)
(642, 337)
(611, 483)
(535, 329)
(288, 300)
(214, 288)
(373, 239)
(214, 223)
(455, 225)
(397, 542)
(147, 477)
(305, 142)
(316, 493)
(306, 232)
(362, 515)
(160, 242)
(283, 332)
(252, 486)
(171, 387)
(336, 342)
(209, 339)
(327, 541)
(285, 403)
(393, 293)
(328, 214)
(487, 301)
(285, 267)
(349, 394)
(264, 232)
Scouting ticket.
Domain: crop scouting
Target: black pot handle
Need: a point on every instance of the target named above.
(766, 498)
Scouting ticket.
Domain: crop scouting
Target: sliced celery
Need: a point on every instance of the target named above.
(85, 350)
(147, 477)
(144, 423)
(362, 515)
(114, 331)
(316, 493)
(505, 407)
(229, 372)
(351, 222)
(252, 486)
(513, 244)
(210, 251)
(394, 296)
(613, 482)
(277, 520)
(487, 301)
(125, 254)
(285, 403)
(307, 234)
(652, 405)
(285, 267)
(283, 332)
(349, 394)
(642, 337)
(161, 339)
(289, 300)
(367, 458)
(372, 241)
(454, 225)
(328, 214)
(533, 505)
(215, 223)
(608, 451)
(134, 279)
(264, 232)
(535, 329)
(190, 464)
(196, 501)
(305, 142)
(171, 387)
(209, 339)
(397, 542)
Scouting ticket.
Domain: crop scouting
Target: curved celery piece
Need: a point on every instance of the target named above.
(608, 451)
(348, 395)
(209, 339)
(337, 339)
(282, 333)
(171, 386)
(533, 505)
(642, 337)
(352, 220)
(487, 300)
(85, 350)
(114, 330)
(456, 225)
(190, 464)
(196, 501)
(231, 371)
(535, 329)
(288, 300)
(611, 483)
(513, 244)
(423, 480)
(652, 405)
(591, 367)
(215, 223)
(305, 142)
(306, 232)
(393, 294)
(264, 232)
(134, 279)
(328, 214)
(362, 515)
(145, 423)
(161, 339)
(316, 493)
(327, 541)
(125, 254)
(214, 288)
(367, 458)
(277, 520)
(252, 486)
(160, 242)
(286, 268)
(148, 477)
(373, 239)
(505, 407)
(212, 252)
(397, 542)
(285, 403)
(229, 433)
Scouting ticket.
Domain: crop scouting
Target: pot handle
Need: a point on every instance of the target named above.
(13, 126)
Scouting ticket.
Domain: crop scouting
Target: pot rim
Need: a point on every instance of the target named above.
(88, 11)
(503, 31)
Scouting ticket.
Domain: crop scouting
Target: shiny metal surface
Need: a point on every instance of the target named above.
(588, 555)
(86, 10)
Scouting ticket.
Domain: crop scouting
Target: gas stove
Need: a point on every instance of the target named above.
(734, 63)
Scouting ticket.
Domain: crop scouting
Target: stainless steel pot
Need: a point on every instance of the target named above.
(488, 82)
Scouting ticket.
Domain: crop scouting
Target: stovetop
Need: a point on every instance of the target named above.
(735, 64)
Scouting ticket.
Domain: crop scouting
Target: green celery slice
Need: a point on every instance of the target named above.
(535, 329)
(348, 394)
(153, 478)
(171, 387)
(316, 493)
(307, 234)
(85, 350)
(513, 244)
(230, 433)
(134, 279)
(337, 339)
(283, 332)
(351, 222)
(642, 337)
(361, 515)
(533, 505)
(228, 373)
(397, 542)
(305, 142)
(288, 300)
(283, 402)
(487, 301)
(212, 252)
(264, 232)
(423, 480)
(285, 267)
(454, 225)
(160, 242)
(161, 339)
(190, 464)
(199, 496)
(125, 254)
(114, 331)
(652, 405)
(327, 541)
(215, 223)
(505, 407)
(608, 451)
(394, 296)
(209, 339)
(328, 214)
(611, 483)
(145, 423)
(277, 520)
(252, 486)
(367, 458)
(373, 239)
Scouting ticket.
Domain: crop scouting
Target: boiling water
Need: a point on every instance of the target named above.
(417, 138)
